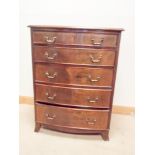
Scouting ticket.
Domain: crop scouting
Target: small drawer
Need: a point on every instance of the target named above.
(66, 75)
(77, 97)
(97, 40)
(52, 38)
(73, 38)
(80, 56)
(72, 117)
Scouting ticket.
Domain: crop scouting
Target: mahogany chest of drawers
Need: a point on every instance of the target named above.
(74, 72)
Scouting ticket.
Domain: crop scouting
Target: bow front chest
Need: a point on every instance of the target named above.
(74, 72)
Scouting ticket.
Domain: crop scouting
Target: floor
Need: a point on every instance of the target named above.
(47, 142)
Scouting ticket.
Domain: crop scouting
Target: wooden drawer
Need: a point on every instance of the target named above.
(53, 38)
(73, 38)
(72, 117)
(83, 76)
(81, 56)
(95, 98)
(98, 40)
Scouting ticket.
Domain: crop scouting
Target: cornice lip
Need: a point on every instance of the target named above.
(74, 27)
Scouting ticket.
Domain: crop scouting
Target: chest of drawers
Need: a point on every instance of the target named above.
(74, 72)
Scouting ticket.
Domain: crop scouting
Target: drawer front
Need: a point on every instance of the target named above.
(95, 57)
(73, 75)
(72, 38)
(97, 40)
(53, 38)
(72, 117)
(97, 98)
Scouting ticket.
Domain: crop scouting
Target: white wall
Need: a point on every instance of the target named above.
(83, 13)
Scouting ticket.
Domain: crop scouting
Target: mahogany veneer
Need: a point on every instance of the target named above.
(74, 72)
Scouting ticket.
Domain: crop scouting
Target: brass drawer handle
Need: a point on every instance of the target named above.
(50, 57)
(50, 117)
(51, 97)
(92, 100)
(95, 60)
(97, 43)
(90, 121)
(50, 39)
(51, 76)
(93, 80)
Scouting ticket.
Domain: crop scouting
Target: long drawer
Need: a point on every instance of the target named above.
(69, 96)
(82, 39)
(80, 56)
(84, 76)
(72, 117)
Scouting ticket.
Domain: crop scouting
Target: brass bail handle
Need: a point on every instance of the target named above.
(92, 100)
(93, 80)
(50, 97)
(51, 76)
(52, 57)
(97, 43)
(95, 60)
(50, 117)
(50, 39)
(90, 121)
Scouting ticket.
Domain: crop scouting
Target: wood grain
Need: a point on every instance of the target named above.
(89, 57)
(77, 39)
(72, 117)
(73, 75)
(76, 97)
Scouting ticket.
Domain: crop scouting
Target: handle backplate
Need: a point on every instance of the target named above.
(50, 40)
(92, 100)
(95, 60)
(52, 57)
(97, 43)
(51, 76)
(50, 117)
(91, 121)
(51, 97)
(93, 80)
